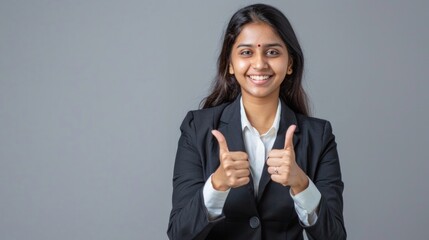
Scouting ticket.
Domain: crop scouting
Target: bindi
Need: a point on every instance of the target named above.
(259, 45)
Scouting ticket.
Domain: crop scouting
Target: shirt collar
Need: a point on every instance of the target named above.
(246, 124)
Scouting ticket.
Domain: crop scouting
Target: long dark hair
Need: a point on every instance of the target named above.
(225, 88)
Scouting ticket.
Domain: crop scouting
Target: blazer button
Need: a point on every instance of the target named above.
(254, 222)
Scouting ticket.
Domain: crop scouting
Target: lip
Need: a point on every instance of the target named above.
(259, 79)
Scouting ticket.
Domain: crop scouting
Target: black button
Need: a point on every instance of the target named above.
(254, 222)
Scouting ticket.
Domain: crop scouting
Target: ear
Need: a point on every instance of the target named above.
(289, 68)
(231, 69)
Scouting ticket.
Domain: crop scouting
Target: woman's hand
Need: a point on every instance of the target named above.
(283, 168)
(233, 170)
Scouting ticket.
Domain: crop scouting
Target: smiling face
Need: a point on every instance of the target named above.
(259, 61)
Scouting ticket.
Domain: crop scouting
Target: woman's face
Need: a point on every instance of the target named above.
(259, 61)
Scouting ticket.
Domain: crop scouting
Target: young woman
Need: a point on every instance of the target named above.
(252, 164)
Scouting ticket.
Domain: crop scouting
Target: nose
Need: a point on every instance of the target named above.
(259, 62)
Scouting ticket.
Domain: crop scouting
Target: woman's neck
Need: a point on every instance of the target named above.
(260, 112)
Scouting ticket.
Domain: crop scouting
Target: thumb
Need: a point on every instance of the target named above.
(223, 146)
(289, 136)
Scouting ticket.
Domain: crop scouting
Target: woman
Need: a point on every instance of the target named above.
(252, 164)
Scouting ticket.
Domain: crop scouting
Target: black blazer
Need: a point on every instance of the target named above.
(272, 214)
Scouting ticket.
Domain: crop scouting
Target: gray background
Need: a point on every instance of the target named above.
(92, 94)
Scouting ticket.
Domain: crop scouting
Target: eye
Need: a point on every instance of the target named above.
(273, 52)
(246, 53)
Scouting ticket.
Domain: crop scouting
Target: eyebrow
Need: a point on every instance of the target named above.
(263, 45)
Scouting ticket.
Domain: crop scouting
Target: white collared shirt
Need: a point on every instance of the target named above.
(257, 147)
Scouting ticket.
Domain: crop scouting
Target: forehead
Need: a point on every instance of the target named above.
(258, 33)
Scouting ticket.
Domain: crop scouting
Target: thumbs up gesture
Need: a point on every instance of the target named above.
(283, 167)
(233, 170)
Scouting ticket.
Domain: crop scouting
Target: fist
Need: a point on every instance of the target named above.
(233, 170)
(283, 167)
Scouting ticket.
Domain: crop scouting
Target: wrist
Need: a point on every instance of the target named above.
(217, 185)
(301, 185)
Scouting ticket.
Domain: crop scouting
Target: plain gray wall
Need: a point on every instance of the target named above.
(92, 94)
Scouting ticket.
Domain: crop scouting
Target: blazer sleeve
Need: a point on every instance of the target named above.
(327, 178)
(189, 218)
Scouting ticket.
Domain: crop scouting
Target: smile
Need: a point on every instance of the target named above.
(259, 77)
(259, 80)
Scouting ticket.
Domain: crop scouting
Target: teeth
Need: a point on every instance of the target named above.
(259, 77)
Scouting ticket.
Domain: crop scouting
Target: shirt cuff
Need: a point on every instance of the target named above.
(214, 200)
(306, 203)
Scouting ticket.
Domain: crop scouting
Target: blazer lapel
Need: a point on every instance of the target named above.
(230, 127)
(287, 118)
